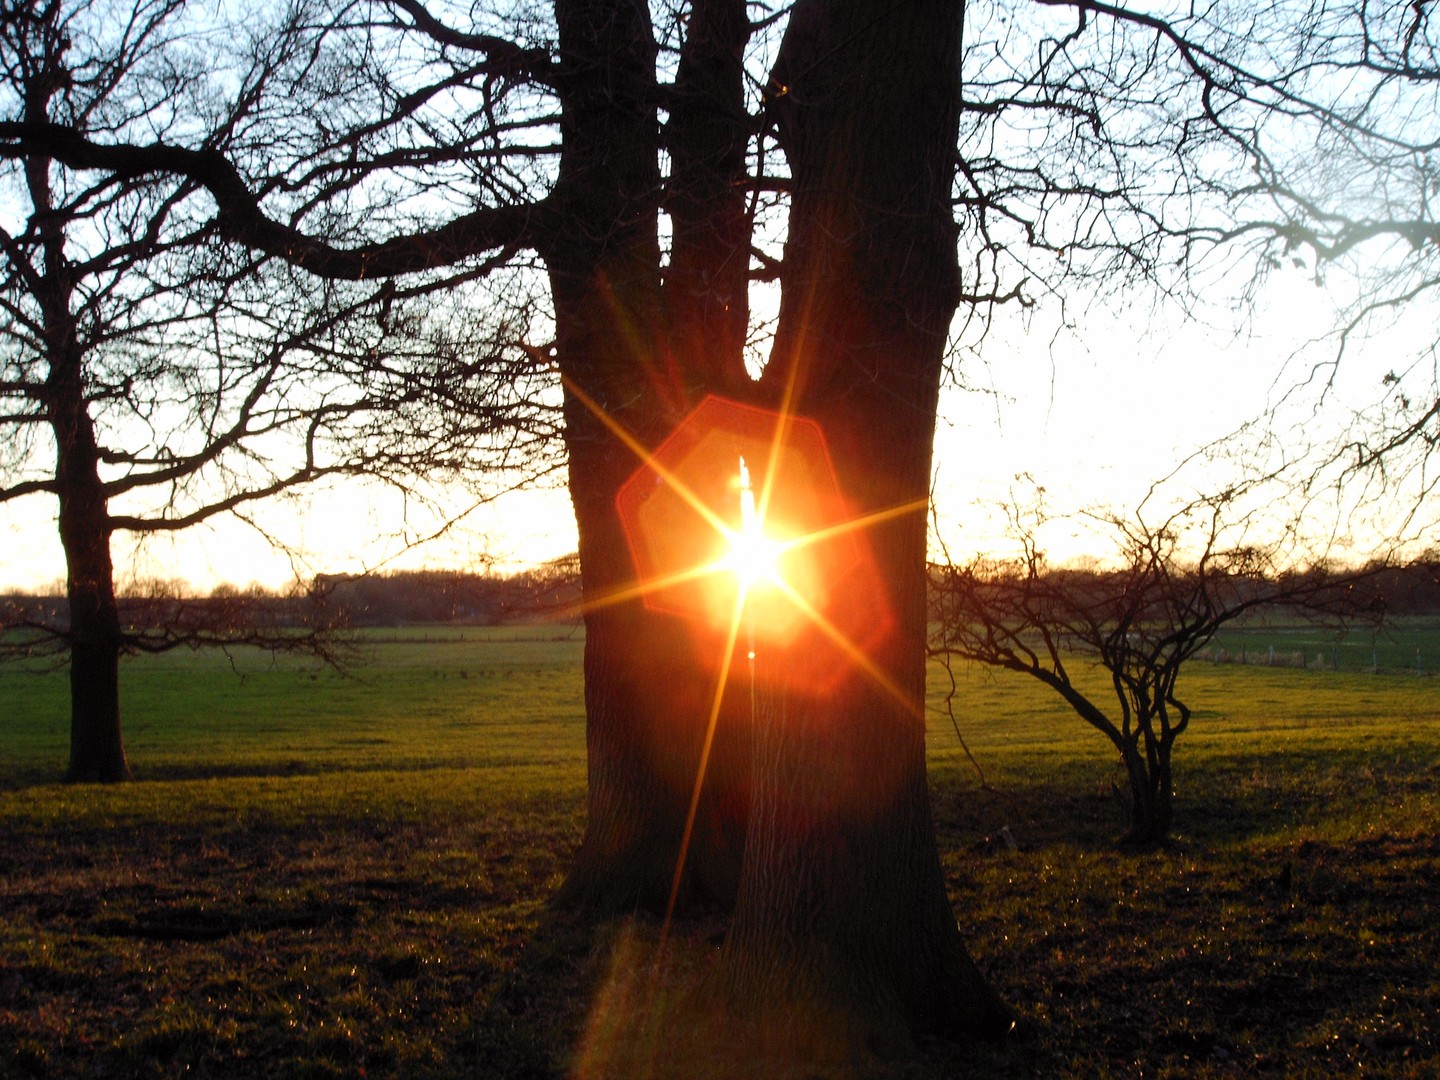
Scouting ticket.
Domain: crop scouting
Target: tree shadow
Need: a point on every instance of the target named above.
(1219, 801)
(630, 999)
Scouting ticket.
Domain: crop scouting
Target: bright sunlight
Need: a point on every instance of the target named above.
(754, 556)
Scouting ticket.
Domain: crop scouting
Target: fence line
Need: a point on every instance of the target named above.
(1260, 649)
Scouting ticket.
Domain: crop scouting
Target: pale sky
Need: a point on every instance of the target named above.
(1099, 417)
(1094, 418)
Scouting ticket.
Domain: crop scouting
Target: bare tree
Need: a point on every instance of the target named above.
(155, 377)
(1112, 640)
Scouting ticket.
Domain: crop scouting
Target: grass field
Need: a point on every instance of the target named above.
(326, 876)
(1408, 645)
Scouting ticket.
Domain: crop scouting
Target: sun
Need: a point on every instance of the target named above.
(753, 556)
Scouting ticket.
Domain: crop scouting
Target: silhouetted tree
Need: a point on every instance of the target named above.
(154, 377)
(1112, 640)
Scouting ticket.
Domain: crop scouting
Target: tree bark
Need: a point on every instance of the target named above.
(649, 678)
(842, 917)
(97, 749)
(707, 282)
(1152, 793)
(1142, 803)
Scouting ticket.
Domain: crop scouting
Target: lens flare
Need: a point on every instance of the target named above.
(737, 520)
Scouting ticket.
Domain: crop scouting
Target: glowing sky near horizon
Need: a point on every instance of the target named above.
(1095, 420)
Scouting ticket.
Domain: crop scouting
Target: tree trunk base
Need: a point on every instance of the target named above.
(642, 879)
(661, 1009)
(876, 1010)
(622, 870)
(97, 775)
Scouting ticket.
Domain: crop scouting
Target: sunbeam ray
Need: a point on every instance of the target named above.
(669, 478)
(726, 659)
(853, 651)
(850, 525)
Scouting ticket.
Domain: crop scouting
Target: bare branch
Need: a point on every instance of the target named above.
(242, 220)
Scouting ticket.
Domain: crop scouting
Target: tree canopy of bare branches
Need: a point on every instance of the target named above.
(155, 376)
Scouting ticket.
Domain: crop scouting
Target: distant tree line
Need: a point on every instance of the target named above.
(1409, 589)
(1379, 592)
(442, 596)
(551, 590)
(334, 601)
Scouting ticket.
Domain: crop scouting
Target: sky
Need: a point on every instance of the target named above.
(1095, 417)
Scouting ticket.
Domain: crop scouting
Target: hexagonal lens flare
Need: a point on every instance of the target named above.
(739, 506)
(736, 518)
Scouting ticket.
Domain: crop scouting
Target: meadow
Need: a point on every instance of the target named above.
(319, 874)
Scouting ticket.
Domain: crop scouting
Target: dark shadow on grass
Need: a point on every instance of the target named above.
(1217, 801)
(528, 1020)
(624, 1000)
(197, 922)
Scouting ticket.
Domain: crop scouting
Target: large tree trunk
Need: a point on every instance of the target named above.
(97, 751)
(842, 917)
(649, 678)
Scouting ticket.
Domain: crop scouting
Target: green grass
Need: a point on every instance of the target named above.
(423, 698)
(1410, 644)
(321, 876)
